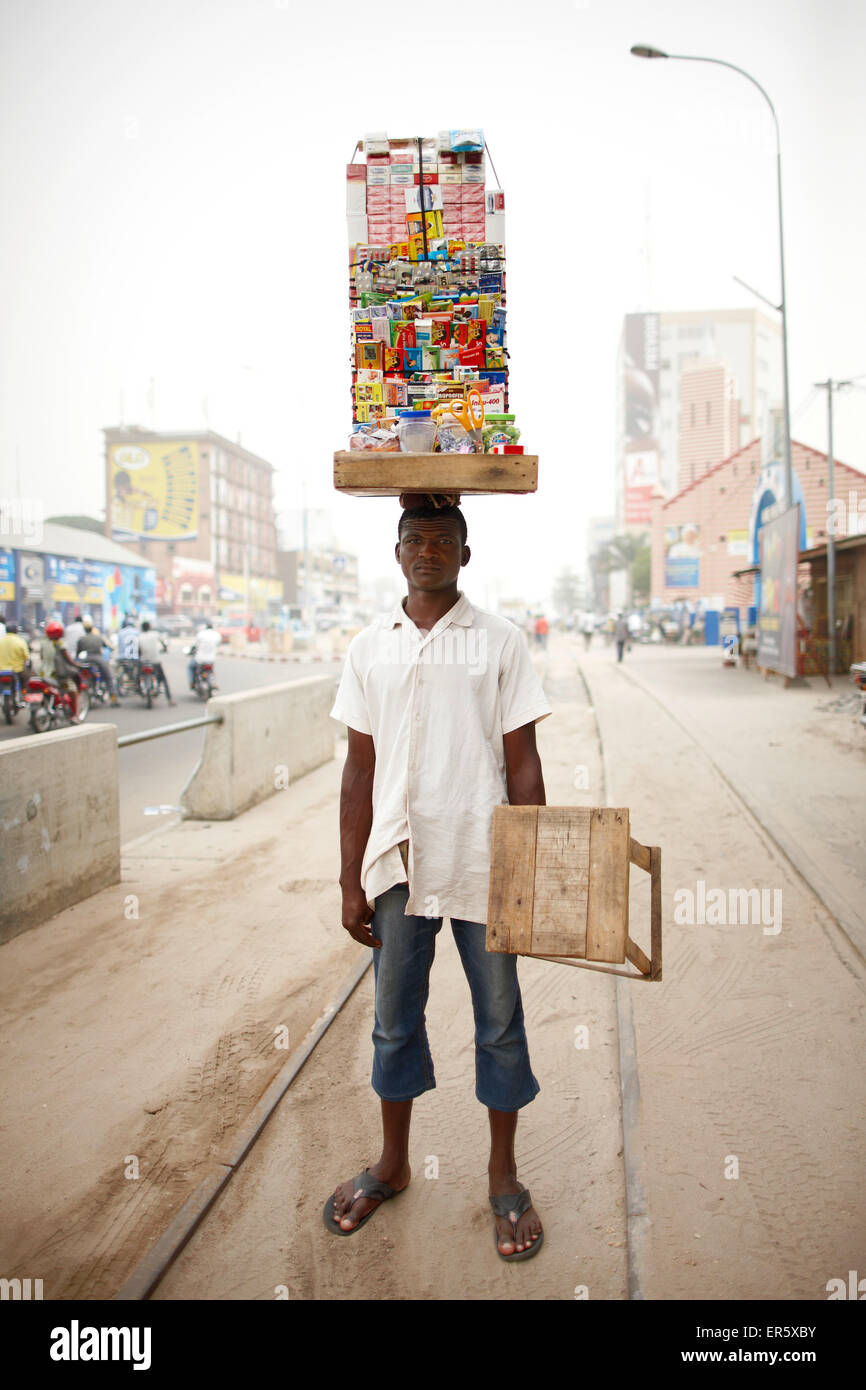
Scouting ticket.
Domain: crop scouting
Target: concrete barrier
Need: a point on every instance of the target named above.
(268, 738)
(59, 823)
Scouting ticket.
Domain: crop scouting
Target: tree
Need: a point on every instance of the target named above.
(640, 575)
(621, 553)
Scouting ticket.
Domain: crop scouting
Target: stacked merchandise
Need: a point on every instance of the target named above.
(427, 295)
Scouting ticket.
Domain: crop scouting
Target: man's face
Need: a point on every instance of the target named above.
(430, 553)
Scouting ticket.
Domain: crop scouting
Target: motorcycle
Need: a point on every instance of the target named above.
(204, 683)
(99, 692)
(858, 671)
(51, 705)
(10, 688)
(148, 684)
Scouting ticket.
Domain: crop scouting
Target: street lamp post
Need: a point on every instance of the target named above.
(645, 51)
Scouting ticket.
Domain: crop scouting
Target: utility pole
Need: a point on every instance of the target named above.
(830, 386)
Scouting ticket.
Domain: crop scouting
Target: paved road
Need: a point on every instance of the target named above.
(153, 774)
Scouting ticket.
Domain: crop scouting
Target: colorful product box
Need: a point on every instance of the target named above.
(369, 355)
(369, 391)
(402, 334)
(367, 411)
(392, 359)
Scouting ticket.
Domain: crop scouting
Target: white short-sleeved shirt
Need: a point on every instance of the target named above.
(437, 707)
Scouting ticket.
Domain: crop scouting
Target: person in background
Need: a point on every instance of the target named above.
(620, 634)
(64, 669)
(150, 651)
(74, 631)
(91, 643)
(205, 645)
(14, 652)
(127, 647)
(587, 627)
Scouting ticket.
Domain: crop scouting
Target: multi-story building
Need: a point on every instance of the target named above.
(709, 418)
(200, 509)
(657, 352)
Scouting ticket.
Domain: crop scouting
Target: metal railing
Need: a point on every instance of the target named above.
(181, 728)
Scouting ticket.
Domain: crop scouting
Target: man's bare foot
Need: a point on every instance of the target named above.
(348, 1211)
(528, 1227)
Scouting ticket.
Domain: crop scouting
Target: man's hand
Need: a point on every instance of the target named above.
(356, 914)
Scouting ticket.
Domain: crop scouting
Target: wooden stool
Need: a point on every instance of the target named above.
(559, 888)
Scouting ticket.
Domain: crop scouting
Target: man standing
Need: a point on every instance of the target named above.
(620, 634)
(150, 651)
(440, 700)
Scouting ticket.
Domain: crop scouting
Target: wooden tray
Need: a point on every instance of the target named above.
(559, 888)
(366, 473)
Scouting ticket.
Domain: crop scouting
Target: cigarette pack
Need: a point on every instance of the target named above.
(375, 144)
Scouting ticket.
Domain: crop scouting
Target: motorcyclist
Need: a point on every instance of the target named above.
(64, 669)
(14, 653)
(203, 649)
(74, 631)
(127, 648)
(149, 651)
(90, 646)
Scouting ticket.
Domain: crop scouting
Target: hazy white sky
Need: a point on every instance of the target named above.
(173, 203)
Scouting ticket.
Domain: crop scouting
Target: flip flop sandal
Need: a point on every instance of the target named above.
(365, 1186)
(512, 1205)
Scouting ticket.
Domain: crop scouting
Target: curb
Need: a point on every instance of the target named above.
(638, 1221)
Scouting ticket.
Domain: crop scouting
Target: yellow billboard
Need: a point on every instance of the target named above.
(153, 490)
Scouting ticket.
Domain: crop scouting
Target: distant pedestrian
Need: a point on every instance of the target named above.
(541, 630)
(620, 635)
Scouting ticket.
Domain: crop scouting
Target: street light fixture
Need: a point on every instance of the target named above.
(646, 51)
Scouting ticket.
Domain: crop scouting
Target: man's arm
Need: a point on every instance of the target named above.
(523, 768)
(356, 822)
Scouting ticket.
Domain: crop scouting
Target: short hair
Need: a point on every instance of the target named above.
(428, 511)
(145, 627)
(12, 627)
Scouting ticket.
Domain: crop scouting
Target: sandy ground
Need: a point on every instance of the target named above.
(154, 1036)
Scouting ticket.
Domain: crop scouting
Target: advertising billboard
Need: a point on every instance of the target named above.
(641, 398)
(777, 614)
(682, 556)
(153, 490)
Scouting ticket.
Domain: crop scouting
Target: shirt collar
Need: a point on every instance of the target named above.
(462, 614)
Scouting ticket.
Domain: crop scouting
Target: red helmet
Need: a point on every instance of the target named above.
(53, 630)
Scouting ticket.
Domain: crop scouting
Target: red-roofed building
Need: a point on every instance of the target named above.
(709, 530)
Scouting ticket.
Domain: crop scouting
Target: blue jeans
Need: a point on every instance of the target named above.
(402, 1065)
